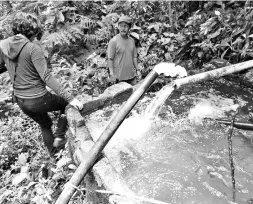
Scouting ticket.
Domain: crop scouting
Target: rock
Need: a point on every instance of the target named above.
(116, 93)
(74, 117)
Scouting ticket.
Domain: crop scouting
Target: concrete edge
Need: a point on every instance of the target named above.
(80, 142)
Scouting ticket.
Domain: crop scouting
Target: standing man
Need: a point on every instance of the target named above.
(29, 74)
(122, 54)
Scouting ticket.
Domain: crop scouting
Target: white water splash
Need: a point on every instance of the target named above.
(213, 107)
(132, 128)
(169, 69)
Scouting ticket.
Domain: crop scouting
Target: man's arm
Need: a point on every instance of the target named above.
(135, 63)
(111, 53)
(110, 65)
(40, 65)
(135, 58)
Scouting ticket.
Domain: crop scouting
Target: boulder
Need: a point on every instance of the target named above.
(114, 94)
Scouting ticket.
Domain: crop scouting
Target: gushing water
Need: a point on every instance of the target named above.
(168, 69)
(156, 104)
(181, 162)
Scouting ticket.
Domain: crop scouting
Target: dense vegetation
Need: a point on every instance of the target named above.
(76, 33)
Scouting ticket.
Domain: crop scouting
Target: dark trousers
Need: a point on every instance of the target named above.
(38, 108)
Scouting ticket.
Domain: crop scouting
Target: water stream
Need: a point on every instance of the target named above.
(156, 104)
(179, 154)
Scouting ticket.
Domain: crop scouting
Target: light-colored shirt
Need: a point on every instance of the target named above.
(122, 52)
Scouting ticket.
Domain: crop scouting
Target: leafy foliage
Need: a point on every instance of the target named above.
(65, 27)
(218, 33)
(22, 160)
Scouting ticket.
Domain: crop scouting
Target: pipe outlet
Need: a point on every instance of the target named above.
(170, 69)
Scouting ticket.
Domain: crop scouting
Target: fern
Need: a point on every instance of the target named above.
(5, 25)
(86, 23)
(52, 40)
(118, 6)
(92, 39)
(64, 36)
(69, 38)
(76, 32)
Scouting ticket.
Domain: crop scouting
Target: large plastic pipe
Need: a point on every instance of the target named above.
(239, 125)
(97, 148)
(216, 73)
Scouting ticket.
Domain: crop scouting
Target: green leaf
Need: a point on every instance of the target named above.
(165, 41)
(168, 57)
(166, 34)
(245, 48)
(22, 159)
(200, 54)
(39, 191)
(61, 17)
(5, 194)
(50, 19)
(223, 54)
(166, 25)
(249, 53)
(19, 178)
(237, 31)
(215, 34)
(224, 43)
(72, 167)
(156, 27)
(31, 184)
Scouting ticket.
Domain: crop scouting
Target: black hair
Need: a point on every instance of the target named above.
(26, 24)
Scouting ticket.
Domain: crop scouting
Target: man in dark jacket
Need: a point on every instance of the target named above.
(29, 74)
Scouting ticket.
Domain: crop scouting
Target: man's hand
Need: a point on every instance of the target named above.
(139, 75)
(76, 104)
